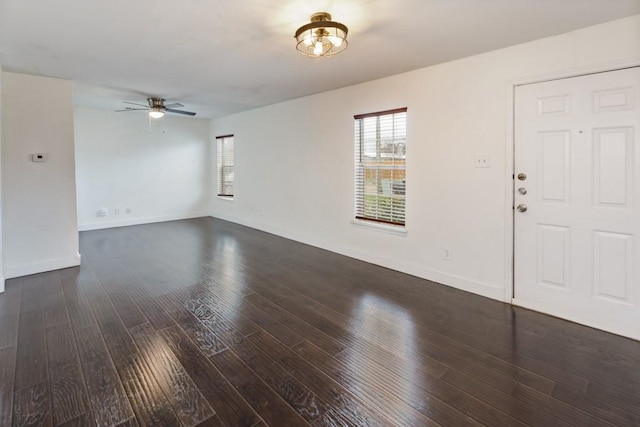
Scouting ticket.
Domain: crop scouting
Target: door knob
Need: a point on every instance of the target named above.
(522, 208)
(522, 176)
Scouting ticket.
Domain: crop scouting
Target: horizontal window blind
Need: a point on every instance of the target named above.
(380, 169)
(225, 165)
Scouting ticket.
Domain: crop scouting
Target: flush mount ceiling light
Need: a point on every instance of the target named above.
(321, 37)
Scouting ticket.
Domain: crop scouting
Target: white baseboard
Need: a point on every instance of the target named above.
(138, 221)
(458, 282)
(40, 267)
(1, 283)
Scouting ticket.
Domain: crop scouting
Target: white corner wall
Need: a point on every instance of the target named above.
(39, 223)
(294, 160)
(140, 172)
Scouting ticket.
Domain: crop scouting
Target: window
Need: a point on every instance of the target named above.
(225, 165)
(381, 152)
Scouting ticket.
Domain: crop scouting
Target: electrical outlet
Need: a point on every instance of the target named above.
(128, 210)
(116, 211)
(102, 212)
(39, 157)
(447, 255)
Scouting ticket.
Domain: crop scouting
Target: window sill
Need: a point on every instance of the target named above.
(380, 227)
(228, 198)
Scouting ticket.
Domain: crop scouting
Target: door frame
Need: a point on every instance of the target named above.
(510, 94)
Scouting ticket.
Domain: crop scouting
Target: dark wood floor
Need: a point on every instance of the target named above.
(204, 322)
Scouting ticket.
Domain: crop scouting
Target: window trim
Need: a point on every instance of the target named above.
(220, 167)
(380, 113)
(358, 219)
(398, 230)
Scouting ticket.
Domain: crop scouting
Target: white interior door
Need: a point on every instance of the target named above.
(577, 244)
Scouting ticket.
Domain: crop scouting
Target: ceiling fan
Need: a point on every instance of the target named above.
(157, 108)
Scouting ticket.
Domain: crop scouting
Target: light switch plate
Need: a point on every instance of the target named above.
(482, 160)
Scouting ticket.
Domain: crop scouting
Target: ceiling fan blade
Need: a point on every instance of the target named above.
(174, 105)
(132, 109)
(186, 113)
(133, 103)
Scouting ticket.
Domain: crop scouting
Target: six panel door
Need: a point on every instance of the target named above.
(577, 210)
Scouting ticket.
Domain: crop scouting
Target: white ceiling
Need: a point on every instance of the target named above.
(220, 57)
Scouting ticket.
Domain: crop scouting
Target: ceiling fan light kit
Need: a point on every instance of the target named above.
(157, 108)
(321, 37)
(156, 113)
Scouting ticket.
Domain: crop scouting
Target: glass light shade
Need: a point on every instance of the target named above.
(336, 41)
(321, 37)
(156, 113)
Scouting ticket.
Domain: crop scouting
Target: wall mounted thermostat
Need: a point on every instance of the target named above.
(39, 157)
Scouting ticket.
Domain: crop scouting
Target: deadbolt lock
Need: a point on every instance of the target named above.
(522, 190)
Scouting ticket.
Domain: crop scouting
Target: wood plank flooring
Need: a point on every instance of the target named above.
(207, 323)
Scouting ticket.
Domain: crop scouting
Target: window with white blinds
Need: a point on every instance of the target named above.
(225, 165)
(381, 153)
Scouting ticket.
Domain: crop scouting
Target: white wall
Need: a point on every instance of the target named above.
(294, 161)
(158, 170)
(39, 221)
(1, 269)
